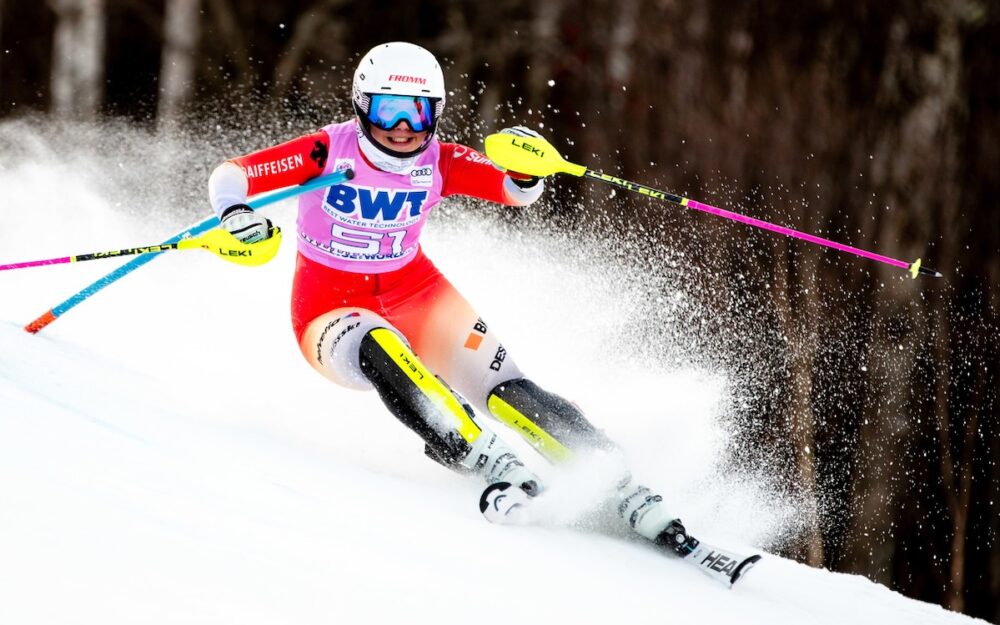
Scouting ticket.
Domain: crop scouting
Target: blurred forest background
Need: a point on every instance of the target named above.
(872, 123)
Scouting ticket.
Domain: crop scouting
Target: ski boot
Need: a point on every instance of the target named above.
(505, 504)
(645, 513)
(510, 484)
(497, 463)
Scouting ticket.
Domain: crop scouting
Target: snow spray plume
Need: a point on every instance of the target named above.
(628, 327)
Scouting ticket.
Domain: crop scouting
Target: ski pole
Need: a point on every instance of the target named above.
(210, 222)
(536, 157)
(217, 241)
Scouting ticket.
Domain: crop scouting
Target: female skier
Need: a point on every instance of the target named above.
(366, 300)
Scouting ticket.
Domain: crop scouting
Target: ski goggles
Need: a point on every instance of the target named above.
(387, 111)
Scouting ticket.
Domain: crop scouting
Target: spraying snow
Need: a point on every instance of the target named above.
(151, 472)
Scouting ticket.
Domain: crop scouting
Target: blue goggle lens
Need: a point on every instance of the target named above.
(387, 111)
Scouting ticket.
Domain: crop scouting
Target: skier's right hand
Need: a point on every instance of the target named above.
(525, 181)
(245, 224)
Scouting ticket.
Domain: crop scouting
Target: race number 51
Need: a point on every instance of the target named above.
(364, 242)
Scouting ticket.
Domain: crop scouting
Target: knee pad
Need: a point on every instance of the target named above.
(480, 365)
(332, 344)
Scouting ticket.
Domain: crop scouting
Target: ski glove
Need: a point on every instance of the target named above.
(246, 224)
(523, 181)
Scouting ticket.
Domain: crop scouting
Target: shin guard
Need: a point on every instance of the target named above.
(550, 423)
(437, 414)
(418, 398)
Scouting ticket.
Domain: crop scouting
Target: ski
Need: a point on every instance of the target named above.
(505, 504)
(721, 565)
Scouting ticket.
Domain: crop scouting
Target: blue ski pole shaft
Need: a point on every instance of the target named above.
(207, 224)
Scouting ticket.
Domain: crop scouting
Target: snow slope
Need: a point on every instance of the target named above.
(166, 456)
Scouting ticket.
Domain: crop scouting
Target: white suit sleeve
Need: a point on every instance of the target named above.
(228, 185)
(519, 196)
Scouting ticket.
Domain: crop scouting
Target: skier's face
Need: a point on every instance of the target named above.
(401, 138)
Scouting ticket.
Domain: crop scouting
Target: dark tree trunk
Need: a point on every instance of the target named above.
(78, 58)
(181, 30)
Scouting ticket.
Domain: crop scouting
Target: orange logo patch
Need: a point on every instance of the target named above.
(474, 341)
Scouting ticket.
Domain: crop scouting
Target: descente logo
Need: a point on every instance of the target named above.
(410, 79)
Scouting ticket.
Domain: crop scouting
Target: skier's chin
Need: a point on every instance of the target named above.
(409, 142)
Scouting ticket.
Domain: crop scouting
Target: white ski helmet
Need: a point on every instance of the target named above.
(398, 68)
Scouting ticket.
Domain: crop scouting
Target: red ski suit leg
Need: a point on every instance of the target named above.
(441, 326)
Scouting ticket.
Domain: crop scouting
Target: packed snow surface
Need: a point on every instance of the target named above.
(167, 456)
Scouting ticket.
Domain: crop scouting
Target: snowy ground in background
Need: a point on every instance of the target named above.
(151, 471)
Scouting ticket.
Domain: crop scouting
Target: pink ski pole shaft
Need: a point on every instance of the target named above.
(37, 263)
(914, 268)
(132, 251)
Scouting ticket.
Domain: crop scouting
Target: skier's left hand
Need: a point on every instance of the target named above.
(524, 181)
